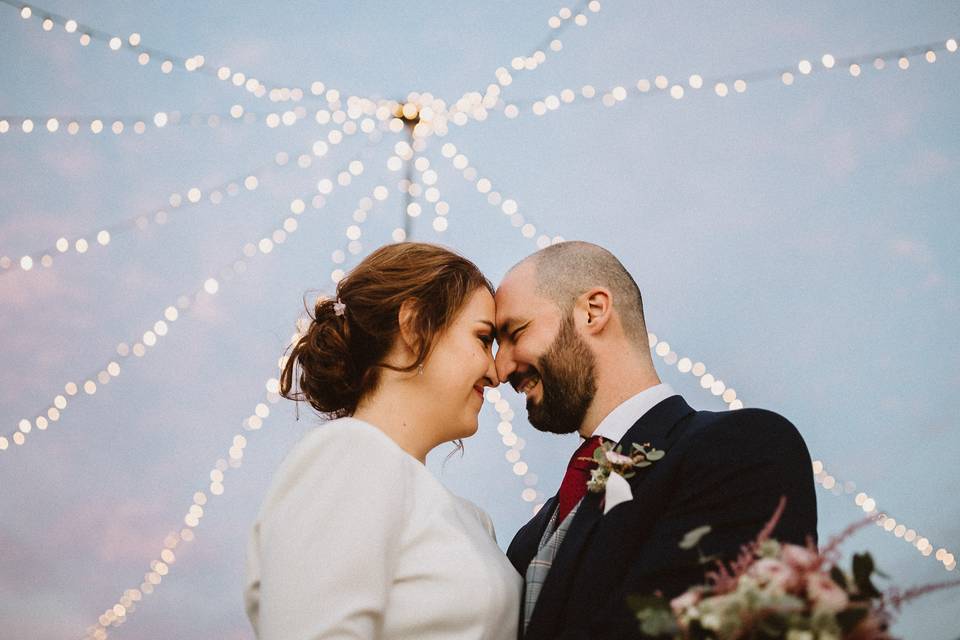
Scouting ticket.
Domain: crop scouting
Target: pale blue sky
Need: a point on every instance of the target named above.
(799, 240)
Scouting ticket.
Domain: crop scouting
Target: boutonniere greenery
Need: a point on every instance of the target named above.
(610, 459)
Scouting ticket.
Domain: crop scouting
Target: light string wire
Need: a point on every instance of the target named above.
(210, 286)
(119, 612)
(74, 124)
(356, 108)
(432, 195)
(494, 198)
(557, 23)
(855, 65)
(474, 105)
(515, 446)
(191, 196)
(415, 189)
(133, 44)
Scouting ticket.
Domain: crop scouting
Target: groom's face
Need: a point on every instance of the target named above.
(541, 355)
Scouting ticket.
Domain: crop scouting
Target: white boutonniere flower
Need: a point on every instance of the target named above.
(614, 468)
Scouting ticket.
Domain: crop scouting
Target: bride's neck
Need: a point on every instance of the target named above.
(400, 412)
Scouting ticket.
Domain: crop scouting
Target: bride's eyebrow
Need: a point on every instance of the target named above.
(493, 329)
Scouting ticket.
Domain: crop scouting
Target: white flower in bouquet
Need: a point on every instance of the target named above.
(597, 481)
(618, 458)
(685, 601)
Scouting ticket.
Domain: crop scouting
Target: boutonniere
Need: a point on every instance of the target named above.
(614, 468)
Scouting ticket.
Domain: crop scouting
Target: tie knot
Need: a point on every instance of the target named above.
(585, 451)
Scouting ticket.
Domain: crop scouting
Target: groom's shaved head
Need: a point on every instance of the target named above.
(566, 270)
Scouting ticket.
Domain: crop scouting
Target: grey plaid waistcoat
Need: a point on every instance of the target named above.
(539, 567)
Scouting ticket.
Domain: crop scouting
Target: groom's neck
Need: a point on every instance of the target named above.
(615, 385)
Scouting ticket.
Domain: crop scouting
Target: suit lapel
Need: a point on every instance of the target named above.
(656, 425)
(526, 543)
(653, 427)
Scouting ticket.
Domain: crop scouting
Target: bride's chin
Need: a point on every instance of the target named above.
(470, 430)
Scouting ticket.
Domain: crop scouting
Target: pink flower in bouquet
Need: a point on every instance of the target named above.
(779, 575)
(684, 601)
(825, 593)
(800, 558)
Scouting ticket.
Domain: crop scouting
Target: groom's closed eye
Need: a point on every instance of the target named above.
(507, 331)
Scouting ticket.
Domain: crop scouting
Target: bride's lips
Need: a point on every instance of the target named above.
(478, 389)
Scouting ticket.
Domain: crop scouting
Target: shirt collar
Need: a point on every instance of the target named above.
(625, 415)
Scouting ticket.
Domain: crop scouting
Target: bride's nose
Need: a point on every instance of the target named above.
(490, 375)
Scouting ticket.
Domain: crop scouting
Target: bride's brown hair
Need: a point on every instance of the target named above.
(339, 357)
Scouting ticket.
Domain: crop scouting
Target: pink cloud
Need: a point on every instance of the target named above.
(125, 530)
(926, 166)
(914, 250)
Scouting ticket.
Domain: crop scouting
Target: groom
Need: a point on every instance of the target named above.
(572, 338)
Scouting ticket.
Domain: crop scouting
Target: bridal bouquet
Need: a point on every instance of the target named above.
(779, 591)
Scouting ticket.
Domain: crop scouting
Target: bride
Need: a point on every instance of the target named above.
(356, 539)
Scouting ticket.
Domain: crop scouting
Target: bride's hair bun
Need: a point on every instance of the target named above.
(340, 355)
(328, 379)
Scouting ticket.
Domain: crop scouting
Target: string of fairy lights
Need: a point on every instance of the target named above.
(428, 178)
(357, 108)
(146, 56)
(563, 18)
(697, 369)
(192, 196)
(178, 204)
(828, 482)
(476, 106)
(723, 87)
(433, 118)
(160, 327)
(119, 612)
(140, 124)
(882, 519)
(494, 198)
(160, 566)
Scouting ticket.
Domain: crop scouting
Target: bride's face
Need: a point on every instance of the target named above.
(460, 366)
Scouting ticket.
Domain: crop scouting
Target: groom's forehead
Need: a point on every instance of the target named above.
(518, 300)
(519, 281)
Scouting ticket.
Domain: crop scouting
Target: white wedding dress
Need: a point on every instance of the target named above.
(357, 539)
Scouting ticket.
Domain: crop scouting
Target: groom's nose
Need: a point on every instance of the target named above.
(505, 363)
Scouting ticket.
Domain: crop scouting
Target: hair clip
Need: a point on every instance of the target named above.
(339, 307)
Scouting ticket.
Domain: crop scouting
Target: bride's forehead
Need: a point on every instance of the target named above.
(480, 304)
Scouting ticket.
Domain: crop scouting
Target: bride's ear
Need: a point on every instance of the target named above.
(407, 320)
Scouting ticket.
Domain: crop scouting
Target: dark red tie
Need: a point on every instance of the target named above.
(574, 485)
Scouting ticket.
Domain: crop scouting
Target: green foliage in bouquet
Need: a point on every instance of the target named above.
(775, 591)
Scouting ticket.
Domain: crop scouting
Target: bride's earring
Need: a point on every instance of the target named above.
(420, 369)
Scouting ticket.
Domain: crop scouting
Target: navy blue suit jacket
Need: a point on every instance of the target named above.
(723, 469)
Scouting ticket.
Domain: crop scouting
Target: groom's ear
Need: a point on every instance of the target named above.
(593, 310)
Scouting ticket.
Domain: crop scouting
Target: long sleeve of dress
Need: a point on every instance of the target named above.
(326, 542)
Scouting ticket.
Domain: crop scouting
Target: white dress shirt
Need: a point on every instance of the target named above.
(626, 414)
(357, 539)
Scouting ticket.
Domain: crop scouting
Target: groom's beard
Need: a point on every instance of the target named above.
(567, 376)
